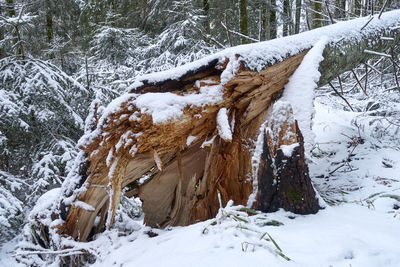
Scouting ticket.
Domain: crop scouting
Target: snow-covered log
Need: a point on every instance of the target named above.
(179, 138)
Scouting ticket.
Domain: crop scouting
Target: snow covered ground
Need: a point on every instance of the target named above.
(345, 235)
(356, 171)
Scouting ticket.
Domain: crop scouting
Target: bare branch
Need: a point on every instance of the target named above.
(359, 83)
(242, 35)
(373, 68)
(366, 77)
(387, 38)
(329, 12)
(376, 63)
(383, 8)
(20, 13)
(367, 23)
(340, 84)
(341, 96)
(376, 53)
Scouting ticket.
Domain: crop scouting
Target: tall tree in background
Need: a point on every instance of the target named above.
(357, 7)
(297, 19)
(206, 8)
(342, 7)
(286, 17)
(273, 20)
(244, 20)
(10, 8)
(264, 20)
(2, 51)
(316, 14)
(49, 22)
(267, 19)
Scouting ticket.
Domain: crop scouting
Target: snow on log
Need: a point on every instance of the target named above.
(299, 91)
(223, 126)
(214, 125)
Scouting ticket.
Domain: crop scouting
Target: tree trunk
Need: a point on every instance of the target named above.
(261, 22)
(11, 13)
(298, 13)
(357, 7)
(49, 27)
(206, 9)
(266, 21)
(342, 5)
(272, 20)
(244, 28)
(317, 14)
(2, 51)
(185, 175)
(10, 8)
(285, 17)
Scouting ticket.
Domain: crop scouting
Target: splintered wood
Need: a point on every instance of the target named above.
(183, 176)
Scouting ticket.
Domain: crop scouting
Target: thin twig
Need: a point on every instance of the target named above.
(383, 8)
(385, 38)
(340, 84)
(377, 53)
(209, 37)
(358, 81)
(244, 36)
(395, 67)
(366, 77)
(329, 12)
(396, 78)
(372, 67)
(391, 122)
(227, 30)
(342, 97)
(376, 63)
(55, 252)
(346, 161)
(367, 23)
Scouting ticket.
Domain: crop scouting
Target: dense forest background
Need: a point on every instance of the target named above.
(59, 58)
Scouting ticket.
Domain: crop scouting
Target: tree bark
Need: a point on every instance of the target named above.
(357, 7)
(2, 51)
(342, 6)
(49, 27)
(10, 8)
(286, 18)
(206, 9)
(244, 20)
(344, 56)
(298, 13)
(317, 14)
(272, 20)
(266, 20)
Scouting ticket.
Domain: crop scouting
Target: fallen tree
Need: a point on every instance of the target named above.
(220, 127)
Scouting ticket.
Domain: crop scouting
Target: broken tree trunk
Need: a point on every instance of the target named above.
(283, 172)
(180, 138)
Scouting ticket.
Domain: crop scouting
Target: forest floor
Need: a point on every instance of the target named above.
(354, 167)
